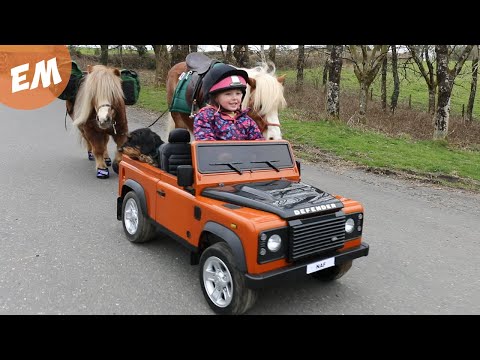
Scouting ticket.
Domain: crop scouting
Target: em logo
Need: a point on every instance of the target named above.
(32, 76)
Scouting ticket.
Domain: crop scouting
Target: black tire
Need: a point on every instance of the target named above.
(235, 298)
(136, 224)
(334, 272)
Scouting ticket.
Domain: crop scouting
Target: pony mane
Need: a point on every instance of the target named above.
(268, 95)
(99, 85)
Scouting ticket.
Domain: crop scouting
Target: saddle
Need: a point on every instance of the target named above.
(187, 98)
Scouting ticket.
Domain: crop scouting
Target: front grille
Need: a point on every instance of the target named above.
(316, 235)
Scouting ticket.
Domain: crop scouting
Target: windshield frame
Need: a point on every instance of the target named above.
(248, 156)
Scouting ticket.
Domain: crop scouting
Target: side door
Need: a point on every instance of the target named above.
(175, 210)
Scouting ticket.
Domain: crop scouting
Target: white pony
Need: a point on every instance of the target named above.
(265, 97)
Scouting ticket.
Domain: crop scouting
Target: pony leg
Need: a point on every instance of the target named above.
(99, 146)
(90, 152)
(88, 143)
(106, 156)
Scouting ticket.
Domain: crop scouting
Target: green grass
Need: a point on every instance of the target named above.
(96, 51)
(379, 151)
(366, 148)
(153, 98)
(413, 86)
(88, 50)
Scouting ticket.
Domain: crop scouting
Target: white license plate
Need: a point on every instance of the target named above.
(320, 265)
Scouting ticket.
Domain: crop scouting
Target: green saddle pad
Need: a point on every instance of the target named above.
(179, 102)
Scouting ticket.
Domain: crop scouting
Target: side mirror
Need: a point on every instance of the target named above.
(185, 175)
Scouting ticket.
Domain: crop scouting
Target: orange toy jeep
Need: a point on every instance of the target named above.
(242, 210)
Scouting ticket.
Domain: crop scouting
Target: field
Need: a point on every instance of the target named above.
(397, 143)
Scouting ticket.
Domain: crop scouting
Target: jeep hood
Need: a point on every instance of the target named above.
(287, 199)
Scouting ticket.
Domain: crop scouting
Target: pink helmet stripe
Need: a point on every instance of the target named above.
(233, 81)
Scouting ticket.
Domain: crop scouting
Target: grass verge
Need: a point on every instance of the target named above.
(328, 141)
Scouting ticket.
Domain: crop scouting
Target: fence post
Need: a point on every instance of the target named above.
(463, 112)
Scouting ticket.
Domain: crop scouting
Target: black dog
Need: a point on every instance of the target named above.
(142, 145)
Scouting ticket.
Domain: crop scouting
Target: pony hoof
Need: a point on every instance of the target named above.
(103, 173)
(90, 156)
(108, 161)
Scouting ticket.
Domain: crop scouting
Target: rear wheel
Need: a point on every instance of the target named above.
(136, 224)
(334, 272)
(222, 284)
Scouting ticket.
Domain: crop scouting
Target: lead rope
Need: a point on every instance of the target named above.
(158, 118)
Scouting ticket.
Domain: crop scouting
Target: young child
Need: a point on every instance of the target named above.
(222, 118)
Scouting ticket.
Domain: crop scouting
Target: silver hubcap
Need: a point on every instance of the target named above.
(131, 216)
(217, 281)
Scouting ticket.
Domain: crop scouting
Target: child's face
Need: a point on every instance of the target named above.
(230, 100)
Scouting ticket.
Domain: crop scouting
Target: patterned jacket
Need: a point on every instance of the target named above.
(209, 124)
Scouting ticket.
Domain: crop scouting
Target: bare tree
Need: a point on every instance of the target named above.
(300, 66)
(178, 53)
(241, 55)
(326, 66)
(473, 85)
(396, 81)
(446, 78)
(229, 55)
(418, 52)
(333, 85)
(384, 83)
(162, 63)
(262, 54)
(272, 52)
(120, 50)
(104, 54)
(366, 64)
(141, 49)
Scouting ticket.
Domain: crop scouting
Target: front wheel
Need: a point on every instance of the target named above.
(222, 284)
(334, 272)
(136, 224)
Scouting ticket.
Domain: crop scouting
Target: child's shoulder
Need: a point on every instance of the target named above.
(208, 109)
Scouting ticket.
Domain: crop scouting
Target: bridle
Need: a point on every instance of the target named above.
(113, 122)
(267, 124)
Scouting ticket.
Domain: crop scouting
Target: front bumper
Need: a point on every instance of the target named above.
(265, 279)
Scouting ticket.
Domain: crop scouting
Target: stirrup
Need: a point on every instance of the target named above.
(194, 109)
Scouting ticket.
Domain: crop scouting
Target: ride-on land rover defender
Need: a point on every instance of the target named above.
(242, 210)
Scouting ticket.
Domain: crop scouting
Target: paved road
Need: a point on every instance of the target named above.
(62, 251)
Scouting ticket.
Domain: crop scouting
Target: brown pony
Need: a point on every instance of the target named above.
(99, 112)
(264, 97)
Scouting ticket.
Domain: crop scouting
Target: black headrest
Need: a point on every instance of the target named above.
(179, 135)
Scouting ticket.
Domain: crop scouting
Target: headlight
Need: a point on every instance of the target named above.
(349, 226)
(353, 226)
(274, 243)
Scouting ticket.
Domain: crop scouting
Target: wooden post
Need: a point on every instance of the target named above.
(463, 112)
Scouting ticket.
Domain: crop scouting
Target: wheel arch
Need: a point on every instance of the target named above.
(132, 185)
(221, 233)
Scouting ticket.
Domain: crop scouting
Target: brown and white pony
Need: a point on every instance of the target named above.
(99, 112)
(264, 97)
